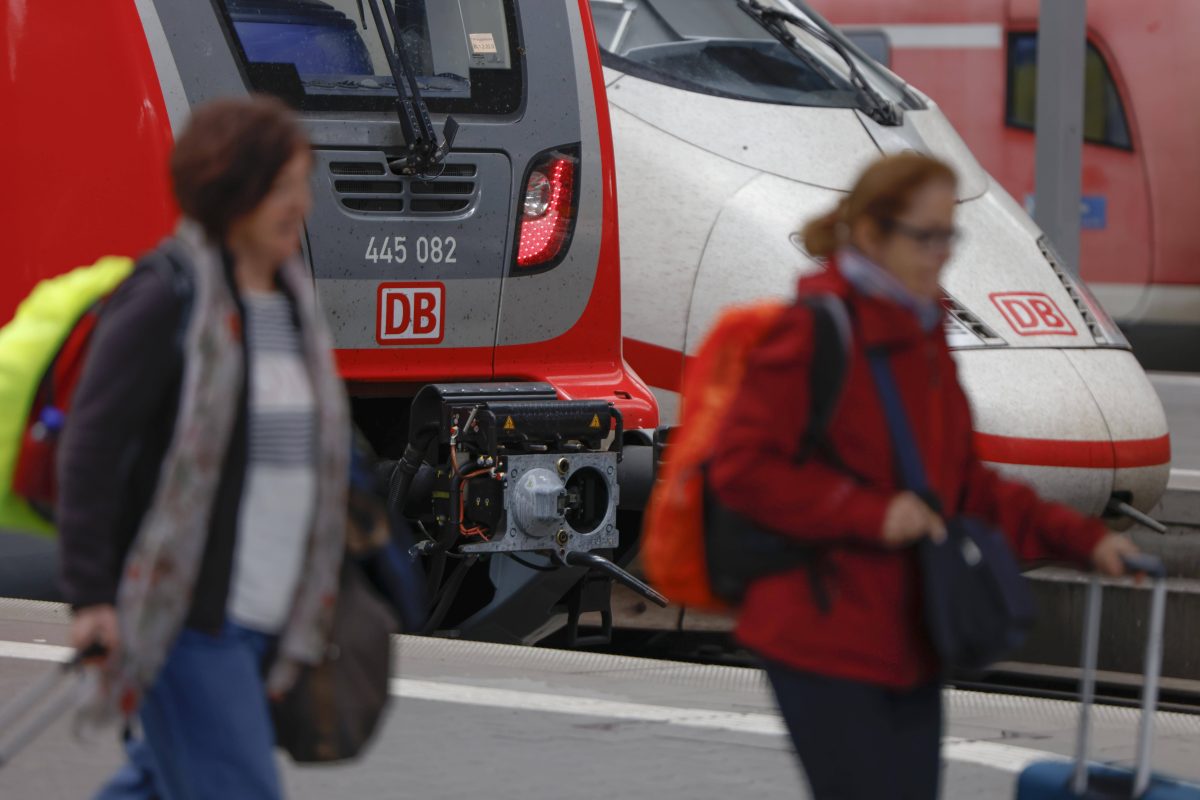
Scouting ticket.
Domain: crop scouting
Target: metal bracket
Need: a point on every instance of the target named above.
(1121, 508)
(575, 558)
(574, 602)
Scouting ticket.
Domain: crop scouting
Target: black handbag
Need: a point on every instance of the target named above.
(334, 707)
(332, 710)
(978, 606)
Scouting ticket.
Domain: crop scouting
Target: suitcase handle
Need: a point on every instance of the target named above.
(1154, 567)
(1146, 564)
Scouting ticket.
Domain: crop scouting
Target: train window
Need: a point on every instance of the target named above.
(326, 55)
(1104, 120)
(713, 47)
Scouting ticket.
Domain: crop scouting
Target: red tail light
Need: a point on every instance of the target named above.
(547, 210)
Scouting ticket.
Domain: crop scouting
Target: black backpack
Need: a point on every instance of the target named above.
(738, 550)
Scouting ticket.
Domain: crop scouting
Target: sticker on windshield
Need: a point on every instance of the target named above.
(483, 44)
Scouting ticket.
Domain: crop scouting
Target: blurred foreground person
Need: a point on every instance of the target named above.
(203, 470)
(844, 642)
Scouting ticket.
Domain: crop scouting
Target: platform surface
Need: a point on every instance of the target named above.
(482, 720)
(1180, 395)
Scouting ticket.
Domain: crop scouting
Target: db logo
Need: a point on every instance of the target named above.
(410, 313)
(1032, 314)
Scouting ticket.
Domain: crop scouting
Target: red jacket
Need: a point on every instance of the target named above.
(873, 630)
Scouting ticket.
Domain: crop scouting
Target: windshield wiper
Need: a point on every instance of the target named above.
(775, 22)
(424, 151)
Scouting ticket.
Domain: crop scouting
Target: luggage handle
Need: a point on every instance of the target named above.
(1154, 567)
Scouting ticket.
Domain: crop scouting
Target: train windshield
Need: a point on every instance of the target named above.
(328, 55)
(715, 47)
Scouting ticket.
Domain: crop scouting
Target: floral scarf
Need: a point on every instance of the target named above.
(161, 568)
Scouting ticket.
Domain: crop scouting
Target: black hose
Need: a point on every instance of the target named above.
(399, 482)
(449, 532)
(448, 593)
(619, 434)
(402, 473)
(437, 568)
(444, 540)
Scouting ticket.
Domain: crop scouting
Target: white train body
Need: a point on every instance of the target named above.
(712, 189)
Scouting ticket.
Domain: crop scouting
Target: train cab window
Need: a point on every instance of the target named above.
(714, 47)
(326, 55)
(1104, 120)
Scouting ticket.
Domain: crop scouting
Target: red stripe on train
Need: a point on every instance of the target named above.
(662, 368)
(1119, 454)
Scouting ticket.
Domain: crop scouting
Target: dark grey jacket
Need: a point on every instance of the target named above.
(117, 433)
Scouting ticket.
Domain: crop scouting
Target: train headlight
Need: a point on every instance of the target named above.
(538, 194)
(1102, 327)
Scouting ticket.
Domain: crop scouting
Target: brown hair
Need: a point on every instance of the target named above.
(230, 154)
(882, 193)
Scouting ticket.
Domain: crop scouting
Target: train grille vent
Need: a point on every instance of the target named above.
(1068, 283)
(957, 316)
(371, 187)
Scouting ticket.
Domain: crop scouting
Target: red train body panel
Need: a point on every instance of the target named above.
(1140, 248)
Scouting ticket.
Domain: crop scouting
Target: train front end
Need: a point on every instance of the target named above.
(729, 136)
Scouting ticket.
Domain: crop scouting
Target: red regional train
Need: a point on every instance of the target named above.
(978, 60)
(474, 293)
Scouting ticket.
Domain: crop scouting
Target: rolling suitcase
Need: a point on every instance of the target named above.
(25, 716)
(1045, 780)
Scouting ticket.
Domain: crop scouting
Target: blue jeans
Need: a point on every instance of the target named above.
(206, 725)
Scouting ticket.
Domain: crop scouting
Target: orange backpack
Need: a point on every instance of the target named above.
(676, 532)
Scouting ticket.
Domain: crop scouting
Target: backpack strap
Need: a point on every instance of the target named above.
(832, 335)
(831, 362)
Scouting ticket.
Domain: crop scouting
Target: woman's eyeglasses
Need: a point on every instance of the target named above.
(927, 237)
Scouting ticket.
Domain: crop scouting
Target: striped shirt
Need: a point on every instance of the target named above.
(278, 496)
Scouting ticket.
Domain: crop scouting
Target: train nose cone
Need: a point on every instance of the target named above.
(1079, 425)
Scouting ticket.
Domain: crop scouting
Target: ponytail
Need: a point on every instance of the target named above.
(882, 193)
(823, 235)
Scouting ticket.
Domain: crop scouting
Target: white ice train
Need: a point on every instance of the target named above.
(733, 126)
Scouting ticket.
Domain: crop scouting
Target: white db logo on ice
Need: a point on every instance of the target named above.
(410, 313)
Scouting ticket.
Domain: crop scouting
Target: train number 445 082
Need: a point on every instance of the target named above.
(423, 249)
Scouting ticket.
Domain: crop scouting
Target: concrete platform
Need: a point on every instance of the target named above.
(1180, 395)
(496, 721)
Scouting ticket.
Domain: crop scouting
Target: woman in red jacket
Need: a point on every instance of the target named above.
(855, 675)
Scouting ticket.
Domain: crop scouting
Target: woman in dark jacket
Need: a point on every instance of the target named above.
(858, 683)
(203, 470)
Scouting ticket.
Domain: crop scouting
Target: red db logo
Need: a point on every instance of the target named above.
(1032, 314)
(410, 313)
